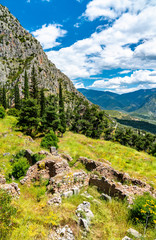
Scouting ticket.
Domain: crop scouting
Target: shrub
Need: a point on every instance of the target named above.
(20, 167)
(6, 213)
(2, 112)
(144, 210)
(50, 140)
(13, 112)
(37, 157)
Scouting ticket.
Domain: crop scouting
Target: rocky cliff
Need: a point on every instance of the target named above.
(19, 51)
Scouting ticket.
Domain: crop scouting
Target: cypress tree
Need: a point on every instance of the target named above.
(17, 97)
(61, 110)
(4, 99)
(34, 87)
(42, 103)
(26, 86)
(1, 95)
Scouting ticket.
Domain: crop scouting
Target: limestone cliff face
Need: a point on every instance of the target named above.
(19, 51)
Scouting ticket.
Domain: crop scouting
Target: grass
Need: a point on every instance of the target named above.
(35, 219)
(137, 164)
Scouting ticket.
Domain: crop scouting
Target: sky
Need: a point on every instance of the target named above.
(99, 44)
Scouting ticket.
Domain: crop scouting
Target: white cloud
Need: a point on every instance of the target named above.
(111, 47)
(125, 71)
(141, 79)
(79, 85)
(48, 35)
(113, 9)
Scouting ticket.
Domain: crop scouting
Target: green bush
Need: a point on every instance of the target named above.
(20, 167)
(7, 211)
(2, 112)
(13, 112)
(37, 157)
(144, 210)
(50, 140)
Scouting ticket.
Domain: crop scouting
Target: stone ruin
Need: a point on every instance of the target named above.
(11, 188)
(113, 182)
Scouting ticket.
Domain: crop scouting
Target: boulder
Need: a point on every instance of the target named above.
(75, 190)
(105, 197)
(56, 200)
(53, 151)
(62, 233)
(84, 215)
(28, 155)
(67, 194)
(134, 233)
(67, 157)
(127, 238)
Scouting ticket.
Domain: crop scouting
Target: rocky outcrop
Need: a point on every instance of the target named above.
(20, 51)
(11, 188)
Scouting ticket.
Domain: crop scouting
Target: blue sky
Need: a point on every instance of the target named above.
(99, 44)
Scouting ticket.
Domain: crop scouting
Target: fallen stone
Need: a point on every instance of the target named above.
(62, 233)
(105, 197)
(127, 238)
(84, 215)
(56, 200)
(67, 157)
(6, 154)
(75, 191)
(67, 194)
(134, 233)
(53, 151)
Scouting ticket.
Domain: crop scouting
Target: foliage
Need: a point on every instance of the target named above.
(26, 86)
(29, 117)
(17, 97)
(4, 98)
(62, 116)
(20, 167)
(2, 112)
(13, 112)
(50, 140)
(42, 102)
(36, 157)
(7, 211)
(34, 84)
(144, 210)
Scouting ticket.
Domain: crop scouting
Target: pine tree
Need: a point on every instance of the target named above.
(29, 117)
(50, 119)
(26, 86)
(34, 86)
(4, 98)
(17, 97)
(42, 102)
(61, 110)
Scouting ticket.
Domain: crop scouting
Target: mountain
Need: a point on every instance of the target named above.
(128, 102)
(149, 107)
(20, 51)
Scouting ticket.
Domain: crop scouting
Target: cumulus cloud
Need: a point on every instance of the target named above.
(113, 9)
(48, 35)
(129, 43)
(79, 85)
(141, 79)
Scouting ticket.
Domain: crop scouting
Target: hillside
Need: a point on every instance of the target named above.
(127, 102)
(148, 109)
(35, 219)
(20, 51)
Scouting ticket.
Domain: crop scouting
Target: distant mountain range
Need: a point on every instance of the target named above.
(141, 102)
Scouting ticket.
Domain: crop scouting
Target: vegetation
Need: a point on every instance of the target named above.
(50, 140)
(7, 211)
(2, 112)
(35, 219)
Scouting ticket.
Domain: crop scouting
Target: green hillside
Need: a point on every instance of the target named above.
(35, 219)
